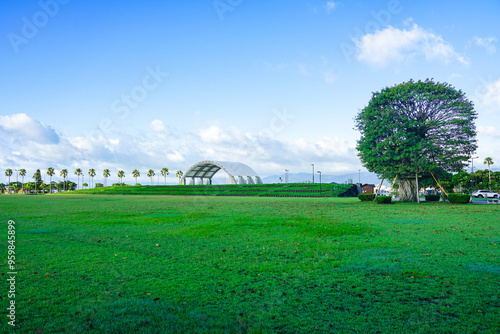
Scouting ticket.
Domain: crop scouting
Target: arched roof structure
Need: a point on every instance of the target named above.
(238, 173)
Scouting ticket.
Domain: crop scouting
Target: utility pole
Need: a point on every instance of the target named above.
(319, 183)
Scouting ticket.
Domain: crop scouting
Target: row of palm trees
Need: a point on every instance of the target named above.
(91, 173)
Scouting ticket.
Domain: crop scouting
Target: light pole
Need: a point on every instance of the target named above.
(359, 171)
(319, 183)
(313, 172)
(286, 175)
(472, 173)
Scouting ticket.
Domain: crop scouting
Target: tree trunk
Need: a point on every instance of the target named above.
(407, 190)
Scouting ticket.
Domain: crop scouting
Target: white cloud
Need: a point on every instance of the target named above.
(24, 128)
(177, 150)
(488, 130)
(175, 156)
(213, 135)
(399, 45)
(329, 77)
(489, 94)
(487, 43)
(330, 6)
(159, 127)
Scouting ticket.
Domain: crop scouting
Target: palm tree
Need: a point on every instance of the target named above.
(8, 172)
(179, 174)
(22, 172)
(85, 184)
(488, 161)
(92, 174)
(121, 174)
(50, 173)
(78, 172)
(64, 173)
(136, 174)
(164, 173)
(38, 179)
(151, 173)
(106, 174)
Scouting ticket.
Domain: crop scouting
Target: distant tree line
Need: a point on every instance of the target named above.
(38, 186)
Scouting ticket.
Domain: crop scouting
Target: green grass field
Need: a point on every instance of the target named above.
(204, 264)
(264, 190)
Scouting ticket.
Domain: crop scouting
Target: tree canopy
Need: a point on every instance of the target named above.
(416, 127)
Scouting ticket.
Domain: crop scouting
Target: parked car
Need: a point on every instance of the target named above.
(485, 194)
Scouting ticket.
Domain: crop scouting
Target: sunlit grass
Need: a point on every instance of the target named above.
(161, 264)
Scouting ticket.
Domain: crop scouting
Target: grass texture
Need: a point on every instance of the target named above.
(259, 190)
(201, 264)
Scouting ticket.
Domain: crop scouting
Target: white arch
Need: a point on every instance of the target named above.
(238, 173)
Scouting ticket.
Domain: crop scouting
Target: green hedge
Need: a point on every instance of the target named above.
(432, 198)
(459, 198)
(383, 199)
(366, 197)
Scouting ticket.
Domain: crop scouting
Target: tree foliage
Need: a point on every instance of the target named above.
(416, 127)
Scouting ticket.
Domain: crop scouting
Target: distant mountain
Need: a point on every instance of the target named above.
(325, 178)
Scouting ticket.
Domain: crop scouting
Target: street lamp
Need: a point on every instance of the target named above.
(313, 172)
(319, 183)
(472, 173)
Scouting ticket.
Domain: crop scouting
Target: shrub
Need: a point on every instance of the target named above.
(383, 199)
(432, 198)
(366, 197)
(459, 198)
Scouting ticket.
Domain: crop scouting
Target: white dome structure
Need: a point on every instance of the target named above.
(203, 171)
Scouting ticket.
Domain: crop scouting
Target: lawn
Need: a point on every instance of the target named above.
(204, 264)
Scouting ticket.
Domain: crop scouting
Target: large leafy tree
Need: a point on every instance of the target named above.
(416, 127)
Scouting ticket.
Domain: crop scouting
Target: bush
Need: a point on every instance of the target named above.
(459, 198)
(366, 197)
(432, 198)
(383, 199)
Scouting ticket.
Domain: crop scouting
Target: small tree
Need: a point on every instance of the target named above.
(136, 174)
(106, 173)
(50, 173)
(8, 172)
(179, 174)
(121, 175)
(413, 128)
(22, 172)
(92, 174)
(78, 172)
(64, 173)
(164, 173)
(489, 161)
(38, 179)
(150, 174)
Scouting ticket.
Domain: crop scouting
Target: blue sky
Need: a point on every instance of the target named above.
(152, 84)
